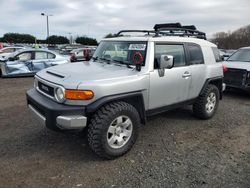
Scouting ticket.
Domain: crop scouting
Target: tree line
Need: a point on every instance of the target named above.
(225, 40)
(233, 40)
(52, 40)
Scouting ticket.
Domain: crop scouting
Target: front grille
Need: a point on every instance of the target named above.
(46, 89)
(235, 77)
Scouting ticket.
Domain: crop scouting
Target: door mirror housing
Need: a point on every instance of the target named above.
(166, 62)
(12, 58)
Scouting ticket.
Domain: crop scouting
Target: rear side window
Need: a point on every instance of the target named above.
(44, 55)
(51, 56)
(41, 55)
(217, 56)
(195, 54)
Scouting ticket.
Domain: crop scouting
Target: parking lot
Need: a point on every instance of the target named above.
(174, 149)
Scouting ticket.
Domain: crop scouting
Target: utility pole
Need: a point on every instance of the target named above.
(47, 19)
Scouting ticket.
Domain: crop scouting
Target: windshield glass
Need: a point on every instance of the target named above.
(129, 52)
(240, 55)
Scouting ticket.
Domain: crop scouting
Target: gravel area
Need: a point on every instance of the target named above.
(174, 149)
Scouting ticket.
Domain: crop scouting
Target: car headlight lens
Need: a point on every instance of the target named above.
(59, 94)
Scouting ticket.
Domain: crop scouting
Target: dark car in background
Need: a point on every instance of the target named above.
(237, 66)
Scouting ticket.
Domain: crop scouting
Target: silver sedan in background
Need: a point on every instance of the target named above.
(29, 61)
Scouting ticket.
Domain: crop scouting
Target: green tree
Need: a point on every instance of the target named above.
(54, 39)
(110, 35)
(18, 38)
(233, 40)
(86, 40)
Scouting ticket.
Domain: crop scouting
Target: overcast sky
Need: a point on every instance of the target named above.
(96, 18)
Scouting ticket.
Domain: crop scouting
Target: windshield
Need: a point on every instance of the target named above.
(129, 52)
(240, 55)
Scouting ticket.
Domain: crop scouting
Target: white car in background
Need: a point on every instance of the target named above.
(29, 61)
(9, 50)
(237, 74)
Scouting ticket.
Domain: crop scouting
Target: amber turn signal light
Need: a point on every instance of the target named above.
(73, 94)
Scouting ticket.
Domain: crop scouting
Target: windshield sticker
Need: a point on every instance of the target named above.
(138, 47)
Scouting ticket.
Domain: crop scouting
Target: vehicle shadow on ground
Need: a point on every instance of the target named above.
(68, 146)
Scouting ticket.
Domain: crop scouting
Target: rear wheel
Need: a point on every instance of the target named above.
(206, 104)
(113, 129)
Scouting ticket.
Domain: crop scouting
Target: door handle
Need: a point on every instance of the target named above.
(186, 75)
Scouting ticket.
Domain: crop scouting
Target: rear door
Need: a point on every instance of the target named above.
(41, 60)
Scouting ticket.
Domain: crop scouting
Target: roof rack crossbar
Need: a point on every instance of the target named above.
(135, 31)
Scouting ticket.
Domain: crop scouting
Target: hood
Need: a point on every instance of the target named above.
(237, 65)
(70, 75)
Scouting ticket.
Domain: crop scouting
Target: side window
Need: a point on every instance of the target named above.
(195, 54)
(217, 56)
(176, 50)
(51, 56)
(24, 56)
(40, 55)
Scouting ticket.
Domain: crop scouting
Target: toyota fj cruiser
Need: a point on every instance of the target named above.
(129, 78)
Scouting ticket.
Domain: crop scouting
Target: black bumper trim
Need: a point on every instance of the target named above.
(50, 109)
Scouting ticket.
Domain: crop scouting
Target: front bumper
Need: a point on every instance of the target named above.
(237, 78)
(53, 115)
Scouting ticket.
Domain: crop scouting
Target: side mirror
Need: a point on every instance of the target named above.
(166, 62)
(12, 58)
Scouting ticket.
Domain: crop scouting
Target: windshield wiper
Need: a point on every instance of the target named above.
(122, 62)
(95, 58)
(104, 59)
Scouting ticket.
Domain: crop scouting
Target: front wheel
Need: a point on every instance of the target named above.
(113, 129)
(206, 104)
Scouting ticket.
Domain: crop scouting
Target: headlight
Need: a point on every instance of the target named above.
(59, 94)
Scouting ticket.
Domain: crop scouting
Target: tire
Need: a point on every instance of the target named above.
(206, 104)
(113, 129)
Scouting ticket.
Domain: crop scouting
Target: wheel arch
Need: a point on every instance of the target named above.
(217, 81)
(133, 98)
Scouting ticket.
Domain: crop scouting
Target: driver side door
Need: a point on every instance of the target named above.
(22, 64)
(173, 87)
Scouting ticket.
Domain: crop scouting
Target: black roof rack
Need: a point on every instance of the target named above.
(176, 29)
(169, 29)
(135, 31)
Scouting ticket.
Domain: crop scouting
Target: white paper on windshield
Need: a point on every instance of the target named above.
(138, 47)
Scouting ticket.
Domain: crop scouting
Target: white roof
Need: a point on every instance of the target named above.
(201, 42)
(248, 47)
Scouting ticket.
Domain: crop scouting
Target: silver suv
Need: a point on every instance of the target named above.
(129, 79)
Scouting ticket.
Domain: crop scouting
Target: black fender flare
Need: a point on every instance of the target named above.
(133, 98)
(217, 81)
